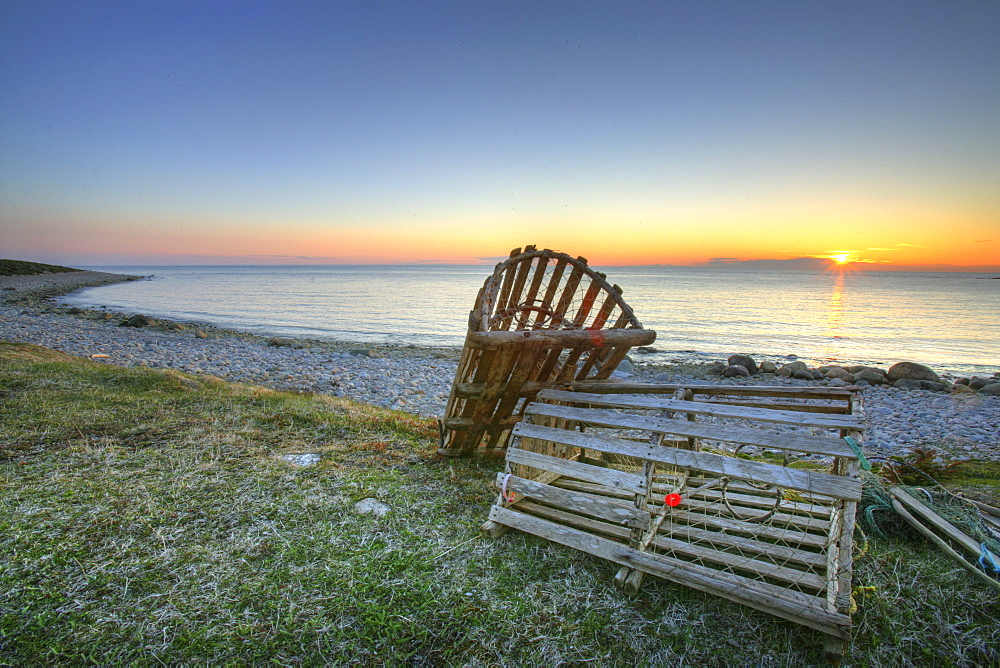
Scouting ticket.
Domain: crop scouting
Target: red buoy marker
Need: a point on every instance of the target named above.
(672, 500)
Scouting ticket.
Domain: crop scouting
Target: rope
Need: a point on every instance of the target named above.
(987, 558)
(857, 450)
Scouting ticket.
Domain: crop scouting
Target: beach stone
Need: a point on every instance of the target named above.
(139, 321)
(869, 377)
(931, 385)
(768, 367)
(307, 459)
(715, 369)
(626, 366)
(907, 384)
(788, 369)
(993, 389)
(744, 361)
(364, 352)
(911, 371)
(977, 383)
(646, 350)
(839, 373)
(371, 506)
(962, 389)
(962, 381)
(736, 371)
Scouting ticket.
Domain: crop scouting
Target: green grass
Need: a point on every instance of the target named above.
(147, 516)
(21, 268)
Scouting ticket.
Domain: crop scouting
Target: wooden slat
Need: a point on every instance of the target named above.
(551, 288)
(528, 354)
(821, 445)
(588, 524)
(586, 504)
(938, 522)
(563, 338)
(710, 508)
(807, 406)
(835, 486)
(734, 561)
(794, 606)
(536, 281)
(704, 408)
(569, 291)
(609, 477)
(614, 387)
(587, 304)
(777, 552)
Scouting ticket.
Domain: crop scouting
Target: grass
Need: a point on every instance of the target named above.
(22, 268)
(147, 516)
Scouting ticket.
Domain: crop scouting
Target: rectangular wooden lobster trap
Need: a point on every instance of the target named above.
(748, 493)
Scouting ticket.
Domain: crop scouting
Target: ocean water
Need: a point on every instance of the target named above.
(950, 321)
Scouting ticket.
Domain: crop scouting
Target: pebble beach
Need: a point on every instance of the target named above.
(958, 425)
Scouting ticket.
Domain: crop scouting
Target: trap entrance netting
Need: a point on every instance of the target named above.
(542, 318)
(749, 502)
(965, 530)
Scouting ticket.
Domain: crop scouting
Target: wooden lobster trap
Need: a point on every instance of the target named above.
(754, 503)
(542, 318)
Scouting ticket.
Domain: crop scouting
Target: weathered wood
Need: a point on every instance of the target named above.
(740, 563)
(822, 445)
(802, 480)
(781, 391)
(723, 540)
(710, 509)
(942, 545)
(989, 510)
(790, 605)
(619, 480)
(581, 503)
(944, 526)
(703, 408)
(562, 338)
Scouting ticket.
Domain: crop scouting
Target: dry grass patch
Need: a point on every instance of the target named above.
(147, 516)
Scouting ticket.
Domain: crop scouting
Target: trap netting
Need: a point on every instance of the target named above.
(540, 319)
(966, 530)
(749, 502)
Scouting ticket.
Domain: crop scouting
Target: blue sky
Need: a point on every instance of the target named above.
(409, 131)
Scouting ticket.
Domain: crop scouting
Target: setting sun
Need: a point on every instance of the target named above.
(841, 257)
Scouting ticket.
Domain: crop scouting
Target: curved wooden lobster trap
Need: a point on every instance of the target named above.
(541, 319)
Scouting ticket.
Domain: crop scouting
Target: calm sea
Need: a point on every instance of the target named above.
(950, 321)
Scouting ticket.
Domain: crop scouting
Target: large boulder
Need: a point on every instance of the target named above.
(911, 371)
(767, 367)
(991, 389)
(744, 361)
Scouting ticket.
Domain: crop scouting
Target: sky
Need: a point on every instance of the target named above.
(668, 132)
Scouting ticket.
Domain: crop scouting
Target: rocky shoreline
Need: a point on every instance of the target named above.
(960, 419)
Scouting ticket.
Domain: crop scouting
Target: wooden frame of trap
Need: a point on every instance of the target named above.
(697, 485)
(543, 318)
